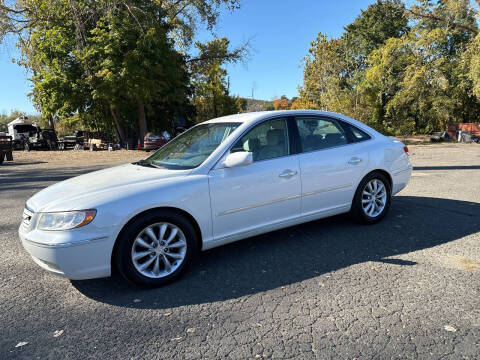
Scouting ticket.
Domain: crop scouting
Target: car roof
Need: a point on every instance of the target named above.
(253, 117)
(260, 115)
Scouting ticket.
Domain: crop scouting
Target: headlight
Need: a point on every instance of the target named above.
(65, 220)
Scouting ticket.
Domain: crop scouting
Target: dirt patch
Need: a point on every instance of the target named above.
(77, 157)
(461, 263)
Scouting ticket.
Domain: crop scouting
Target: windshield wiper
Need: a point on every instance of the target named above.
(146, 164)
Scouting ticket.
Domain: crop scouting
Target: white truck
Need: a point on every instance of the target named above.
(20, 130)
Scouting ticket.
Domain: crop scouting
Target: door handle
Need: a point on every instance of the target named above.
(355, 161)
(287, 174)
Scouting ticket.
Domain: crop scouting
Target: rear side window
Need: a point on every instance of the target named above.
(354, 133)
(318, 133)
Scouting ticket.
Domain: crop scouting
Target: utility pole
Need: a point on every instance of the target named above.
(253, 88)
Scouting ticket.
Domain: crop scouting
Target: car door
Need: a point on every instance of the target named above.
(250, 199)
(331, 163)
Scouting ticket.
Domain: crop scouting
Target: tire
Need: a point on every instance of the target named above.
(128, 247)
(361, 210)
(2, 156)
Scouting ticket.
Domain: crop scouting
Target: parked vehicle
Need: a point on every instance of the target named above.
(6, 148)
(41, 139)
(439, 136)
(221, 181)
(20, 130)
(153, 141)
(95, 140)
(71, 141)
(30, 136)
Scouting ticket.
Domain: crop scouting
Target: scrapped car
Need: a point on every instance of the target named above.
(153, 141)
(41, 139)
(221, 181)
(74, 141)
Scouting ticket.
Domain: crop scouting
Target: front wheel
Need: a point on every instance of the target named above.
(155, 249)
(372, 199)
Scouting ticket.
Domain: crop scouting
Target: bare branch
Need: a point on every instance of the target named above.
(431, 16)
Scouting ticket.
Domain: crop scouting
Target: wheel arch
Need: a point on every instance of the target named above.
(178, 211)
(381, 171)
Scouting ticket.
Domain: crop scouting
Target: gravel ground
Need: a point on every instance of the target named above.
(405, 288)
(77, 157)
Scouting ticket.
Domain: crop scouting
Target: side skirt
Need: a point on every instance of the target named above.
(276, 226)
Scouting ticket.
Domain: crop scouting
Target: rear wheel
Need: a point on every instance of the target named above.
(156, 248)
(372, 199)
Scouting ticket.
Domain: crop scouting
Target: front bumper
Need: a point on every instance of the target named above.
(65, 254)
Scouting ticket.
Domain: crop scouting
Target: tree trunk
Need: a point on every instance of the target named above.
(118, 126)
(381, 112)
(51, 123)
(142, 120)
(215, 112)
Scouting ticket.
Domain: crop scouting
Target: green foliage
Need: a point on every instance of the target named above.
(211, 91)
(375, 25)
(325, 79)
(399, 79)
(112, 65)
(472, 60)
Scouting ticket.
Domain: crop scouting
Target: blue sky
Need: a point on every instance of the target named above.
(280, 33)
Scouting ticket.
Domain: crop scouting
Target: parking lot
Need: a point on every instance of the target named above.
(408, 287)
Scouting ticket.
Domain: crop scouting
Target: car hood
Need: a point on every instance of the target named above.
(119, 180)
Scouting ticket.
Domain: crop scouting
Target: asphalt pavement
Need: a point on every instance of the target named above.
(408, 287)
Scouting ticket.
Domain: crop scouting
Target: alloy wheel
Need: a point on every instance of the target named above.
(158, 250)
(374, 198)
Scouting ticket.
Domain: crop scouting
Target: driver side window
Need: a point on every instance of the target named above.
(267, 140)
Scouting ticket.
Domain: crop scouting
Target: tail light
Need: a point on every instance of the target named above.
(405, 148)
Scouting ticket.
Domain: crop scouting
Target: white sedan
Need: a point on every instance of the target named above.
(221, 181)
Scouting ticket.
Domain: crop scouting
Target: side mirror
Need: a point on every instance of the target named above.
(241, 158)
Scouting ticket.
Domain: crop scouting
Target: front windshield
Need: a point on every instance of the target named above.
(191, 148)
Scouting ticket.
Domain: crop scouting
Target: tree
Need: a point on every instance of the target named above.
(183, 16)
(324, 77)
(399, 70)
(382, 20)
(472, 60)
(242, 104)
(303, 104)
(282, 104)
(211, 93)
(134, 65)
(107, 59)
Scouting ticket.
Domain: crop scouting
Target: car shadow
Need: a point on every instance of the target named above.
(24, 179)
(299, 253)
